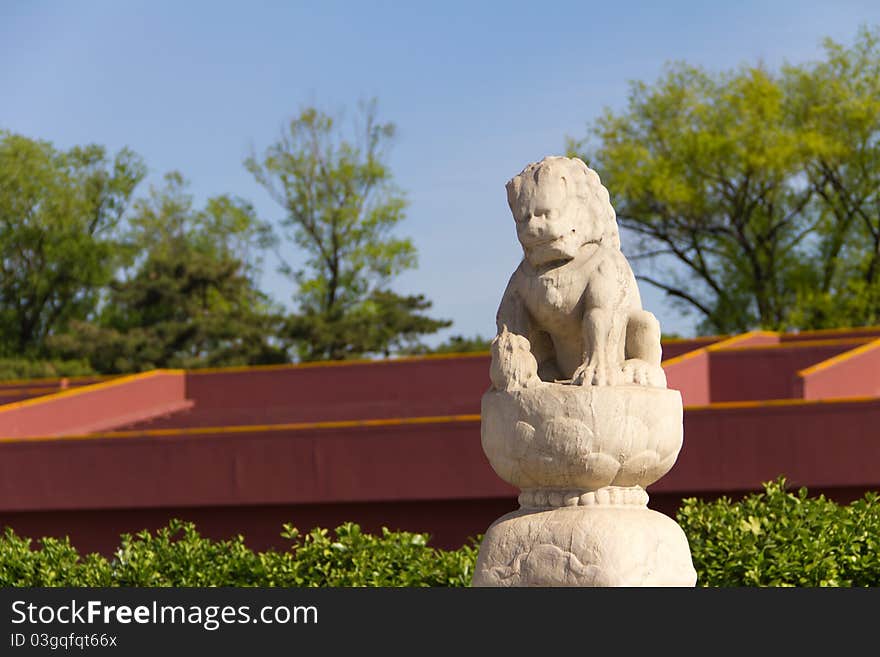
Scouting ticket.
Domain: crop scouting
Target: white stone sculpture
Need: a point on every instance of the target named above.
(578, 416)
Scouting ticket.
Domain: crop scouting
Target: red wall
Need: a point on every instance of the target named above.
(96, 408)
(397, 462)
(385, 389)
(856, 375)
(815, 444)
(764, 372)
(690, 375)
(378, 389)
(326, 476)
(414, 475)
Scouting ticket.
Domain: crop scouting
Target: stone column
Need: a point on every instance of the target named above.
(578, 416)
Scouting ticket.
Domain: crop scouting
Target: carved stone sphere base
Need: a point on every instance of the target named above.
(585, 545)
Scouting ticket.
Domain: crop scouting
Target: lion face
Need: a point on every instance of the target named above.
(553, 222)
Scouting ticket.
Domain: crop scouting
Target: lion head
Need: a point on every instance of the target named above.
(560, 205)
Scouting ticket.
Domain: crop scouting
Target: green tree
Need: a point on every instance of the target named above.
(189, 299)
(341, 208)
(61, 213)
(701, 168)
(837, 101)
(761, 186)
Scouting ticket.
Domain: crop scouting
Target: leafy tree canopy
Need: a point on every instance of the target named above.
(190, 297)
(340, 210)
(762, 186)
(61, 217)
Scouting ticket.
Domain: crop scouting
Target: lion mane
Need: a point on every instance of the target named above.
(582, 182)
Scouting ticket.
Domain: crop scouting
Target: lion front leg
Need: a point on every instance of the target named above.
(643, 337)
(643, 351)
(601, 344)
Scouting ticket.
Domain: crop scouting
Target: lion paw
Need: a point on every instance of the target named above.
(639, 372)
(593, 373)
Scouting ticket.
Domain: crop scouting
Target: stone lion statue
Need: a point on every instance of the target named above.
(571, 312)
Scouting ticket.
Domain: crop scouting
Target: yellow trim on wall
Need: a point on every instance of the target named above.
(404, 421)
(259, 428)
(699, 338)
(682, 357)
(769, 403)
(801, 344)
(723, 344)
(851, 329)
(731, 342)
(335, 363)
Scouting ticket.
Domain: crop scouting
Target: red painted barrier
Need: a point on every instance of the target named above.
(689, 374)
(96, 407)
(726, 448)
(394, 462)
(821, 444)
(339, 391)
(767, 371)
(48, 483)
(406, 387)
(412, 473)
(853, 373)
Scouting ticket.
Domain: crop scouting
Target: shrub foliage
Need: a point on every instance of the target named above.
(177, 555)
(784, 538)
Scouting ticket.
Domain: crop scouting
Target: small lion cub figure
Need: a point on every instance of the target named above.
(573, 299)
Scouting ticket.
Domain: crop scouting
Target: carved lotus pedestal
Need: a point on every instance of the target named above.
(582, 456)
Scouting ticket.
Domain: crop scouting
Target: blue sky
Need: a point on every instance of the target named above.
(477, 90)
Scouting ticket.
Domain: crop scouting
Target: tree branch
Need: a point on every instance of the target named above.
(675, 292)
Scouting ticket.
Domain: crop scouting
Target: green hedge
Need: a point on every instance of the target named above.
(775, 538)
(784, 538)
(178, 556)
